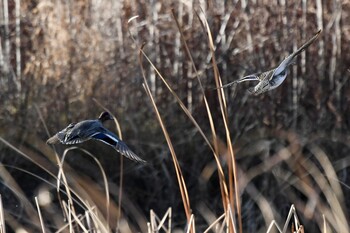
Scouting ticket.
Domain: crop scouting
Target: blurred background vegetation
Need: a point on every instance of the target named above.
(56, 57)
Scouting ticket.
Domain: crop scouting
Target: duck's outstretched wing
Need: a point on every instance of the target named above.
(66, 136)
(286, 62)
(62, 138)
(111, 139)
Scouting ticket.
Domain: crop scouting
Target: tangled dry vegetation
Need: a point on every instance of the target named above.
(223, 161)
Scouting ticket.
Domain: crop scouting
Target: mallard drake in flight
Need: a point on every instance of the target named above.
(82, 131)
(273, 78)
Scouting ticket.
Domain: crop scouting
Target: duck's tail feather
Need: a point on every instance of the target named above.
(53, 140)
(117, 144)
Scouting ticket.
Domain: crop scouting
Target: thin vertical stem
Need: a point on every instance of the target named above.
(303, 36)
(118, 13)
(295, 89)
(40, 216)
(18, 44)
(6, 36)
(2, 217)
(337, 34)
(319, 19)
(247, 26)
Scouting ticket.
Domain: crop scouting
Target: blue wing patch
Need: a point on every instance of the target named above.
(108, 139)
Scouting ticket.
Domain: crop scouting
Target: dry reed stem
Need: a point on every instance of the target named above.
(335, 214)
(223, 185)
(2, 217)
(40, 216)
(65, 182)
(121, 166)
(97, 220)
(11, 182)
(182, 105)
(191, 227)
(233, 182)
(156, 223)
(181, 182)
(63, 204)
(222, 217)
(292, 213)
(61, 173)
(75, 219)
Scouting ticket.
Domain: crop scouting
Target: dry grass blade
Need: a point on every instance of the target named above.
(181, 181)
(10, 181)
(88, 220)
(191, 225)
(292, 213)
(262, 202)
(233, 182)
(80, 218)
(65, 183)
(330, 172)
(40, 216)
(273, 224)
(156, 223)
(223, 185)
(2, 217)
(182, 105)
(336, 215)
(310, 180)
(27, 173)
(68, 216)
(61, 174)
(296, 223)
(46, 130)
(99, 225)
(75, 219)
(56, 157)
(179, 175)
(121, 167)
(217, 221)
(324, 224)
(26, 156)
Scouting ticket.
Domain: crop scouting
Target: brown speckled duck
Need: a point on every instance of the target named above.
(271, 79)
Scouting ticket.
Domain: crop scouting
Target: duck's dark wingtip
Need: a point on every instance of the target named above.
(142, 161)
(132, 156)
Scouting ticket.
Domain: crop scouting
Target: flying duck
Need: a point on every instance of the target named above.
(82, 131)
(273, 78)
